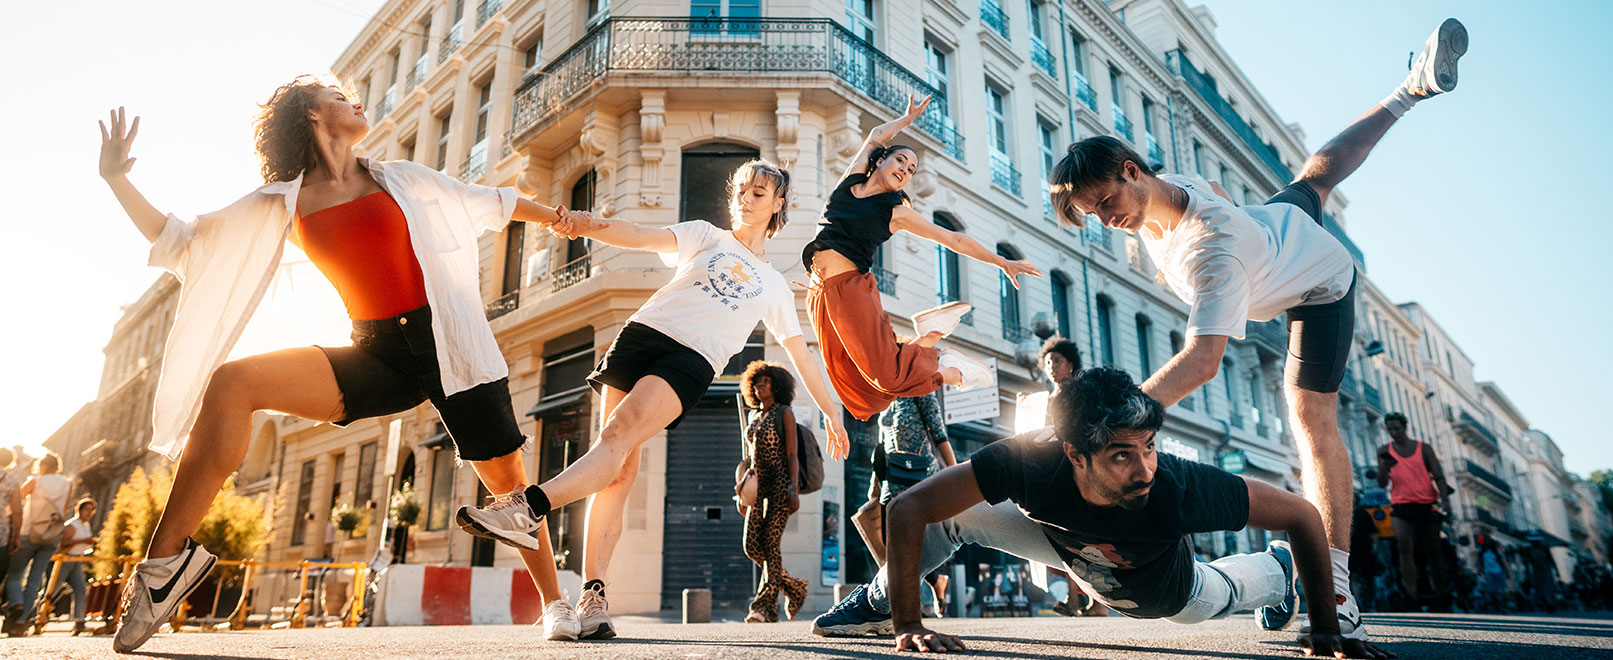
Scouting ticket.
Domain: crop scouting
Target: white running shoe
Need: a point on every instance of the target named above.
(153, 593)
(560, 619)
(595, 615)
(943, 319)
(975, 373)
(1349, 613)
(508, 520)
(1433, 71)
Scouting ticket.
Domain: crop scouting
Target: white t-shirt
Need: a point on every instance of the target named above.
(717, 294)
(79, 529)
(1238, 264)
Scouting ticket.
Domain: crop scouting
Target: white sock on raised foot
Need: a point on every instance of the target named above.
(1341, 570)
(1399, 101)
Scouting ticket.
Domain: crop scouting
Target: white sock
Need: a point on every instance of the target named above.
(1341, 570)
(1400, 100)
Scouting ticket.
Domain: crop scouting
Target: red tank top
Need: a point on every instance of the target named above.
(1409, 481)
(363, 247)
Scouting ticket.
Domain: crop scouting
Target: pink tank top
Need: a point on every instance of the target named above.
(1409, 481)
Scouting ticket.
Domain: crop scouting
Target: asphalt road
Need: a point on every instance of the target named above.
(1469, 637)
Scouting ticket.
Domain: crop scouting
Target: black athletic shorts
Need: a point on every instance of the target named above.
(1417, 512)
(640, 350)
(1319, 336)
(392, 367)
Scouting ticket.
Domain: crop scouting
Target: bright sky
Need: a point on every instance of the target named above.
(1439, 209)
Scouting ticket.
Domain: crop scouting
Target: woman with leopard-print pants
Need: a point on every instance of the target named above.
(771, 444)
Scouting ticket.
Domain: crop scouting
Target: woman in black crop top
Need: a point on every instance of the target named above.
(867, 365)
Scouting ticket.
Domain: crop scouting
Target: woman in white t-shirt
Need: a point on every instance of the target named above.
(664, 359)
(77, 541)
(44, 507)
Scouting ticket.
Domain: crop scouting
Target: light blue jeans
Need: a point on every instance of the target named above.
(29, 561)
(1226, 585)
(73, 575)
(1232, 584)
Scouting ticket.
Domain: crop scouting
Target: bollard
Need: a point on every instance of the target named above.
(841, 591)
(697, 606)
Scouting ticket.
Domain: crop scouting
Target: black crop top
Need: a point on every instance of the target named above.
(854, 226)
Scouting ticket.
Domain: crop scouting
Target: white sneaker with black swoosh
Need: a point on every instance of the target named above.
(509, 520)
(155, 589)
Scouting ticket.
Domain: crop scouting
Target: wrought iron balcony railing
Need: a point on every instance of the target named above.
(1122, 124)
(1003, 174)
(1489, 478)
(504, 305)
(1042, 57)
(385, 106)
(767, 47)
(994, 18)
(571, 273)
(486, 10)
(450, 43)
(886, 280)
(1476, 433)
(1097, 234)
(1156, 155)
(1206, 89)
(476, 165)
(1084, 91)
(417, 75)
(1016, 333)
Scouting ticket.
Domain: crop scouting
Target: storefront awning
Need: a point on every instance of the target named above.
(557, 404)
(1271, 465)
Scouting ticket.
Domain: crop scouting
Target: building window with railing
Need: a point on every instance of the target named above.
(935, 73)
(860, 20)
(445, 128)
(578, 260)
(531, 58)
(1040, 55)
(1156, 155)
(729, 15)
(994, 18)
(1061, 303)
(408, 148)
(1003, 173)
(1077, 55)
(476, 158)
(305, 502)
(1145, 329)
(451, 40)
(1008, 298)
(514, 246)
(1117, 100)
(1198, 160)
(1106, 339)
(597, 9)
(1046, 138)
(948, 267)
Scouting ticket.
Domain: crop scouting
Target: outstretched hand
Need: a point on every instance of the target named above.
(1013, 269)
(888, 130)
(115, 141)
(1322, 644)
(918, 638)
(839, 448)
(915, 109)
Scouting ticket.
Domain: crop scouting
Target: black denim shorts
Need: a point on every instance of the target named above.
(392, 367)
(1319, 336)
(640, 350)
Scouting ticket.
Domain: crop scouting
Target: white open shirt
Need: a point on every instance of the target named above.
(227, 259)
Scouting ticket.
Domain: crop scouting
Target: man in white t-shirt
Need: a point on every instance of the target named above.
(1234, 265)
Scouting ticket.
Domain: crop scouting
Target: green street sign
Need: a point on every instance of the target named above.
(1232, 461)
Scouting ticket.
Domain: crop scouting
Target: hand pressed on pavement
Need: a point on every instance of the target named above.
(916, 637)
(1326, 644)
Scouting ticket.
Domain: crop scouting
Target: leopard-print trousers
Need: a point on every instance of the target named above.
(764, 524)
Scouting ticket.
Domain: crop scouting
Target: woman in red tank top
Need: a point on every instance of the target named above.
(353, 217)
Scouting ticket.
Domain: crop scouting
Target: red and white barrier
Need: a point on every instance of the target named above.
(417, 595)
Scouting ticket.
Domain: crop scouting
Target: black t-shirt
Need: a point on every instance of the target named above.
(854, 226)
(1139, 562)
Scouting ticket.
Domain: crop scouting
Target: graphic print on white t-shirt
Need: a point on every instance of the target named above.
(718, 293)
(1238, 264)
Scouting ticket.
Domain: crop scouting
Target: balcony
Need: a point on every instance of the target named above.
(571, 273)
(416, 75)
(1156, 155)
(1370, 396)
(1495, 522)
(486, 10)
(1097, 234)
(885, 278)
(1016, 333)
(1004, 175)
(994, 18)
(1206, 89)
(1489, 478)
(450, 43)
(1043, 58)
(1476, 433)
(685, 47)
(1084, 91)
(387, 101)
(1332, 227)
(474, 166)
(504, 305)
(1122, 124)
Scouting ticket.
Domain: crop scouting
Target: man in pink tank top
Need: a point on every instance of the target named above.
(1419, 496)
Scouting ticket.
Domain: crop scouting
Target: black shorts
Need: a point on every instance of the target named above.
(640, 350)
(1417, 512)
(392, 367)
(1319, 336)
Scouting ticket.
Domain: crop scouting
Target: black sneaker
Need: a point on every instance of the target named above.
(853, 617)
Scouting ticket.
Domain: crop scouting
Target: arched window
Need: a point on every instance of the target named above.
(1008, 297)
(1061, 303)
(1106, 342)
(582, 199)
(948, 275)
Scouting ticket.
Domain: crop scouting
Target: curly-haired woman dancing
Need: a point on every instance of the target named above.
(398, 240)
